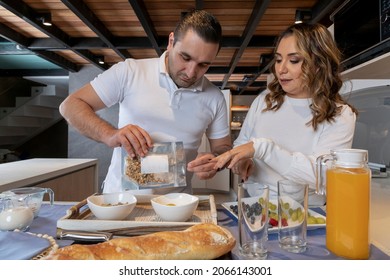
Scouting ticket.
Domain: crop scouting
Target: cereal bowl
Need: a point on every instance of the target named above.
(112, 206)
(175, 207)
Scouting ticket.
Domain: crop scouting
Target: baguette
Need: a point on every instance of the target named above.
(199, 242)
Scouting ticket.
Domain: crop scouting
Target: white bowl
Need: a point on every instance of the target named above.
(112, 206)
(175, 207)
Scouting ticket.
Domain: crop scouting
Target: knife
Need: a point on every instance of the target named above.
(101, 236)
(84, 236)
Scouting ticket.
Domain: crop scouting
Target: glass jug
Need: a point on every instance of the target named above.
(344, 176)
(35, 195)
(15, 213)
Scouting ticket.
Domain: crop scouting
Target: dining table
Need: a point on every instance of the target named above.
(24, 245)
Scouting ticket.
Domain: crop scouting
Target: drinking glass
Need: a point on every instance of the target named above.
(292, 215)
(253, 199)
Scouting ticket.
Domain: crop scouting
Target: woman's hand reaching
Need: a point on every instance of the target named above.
(238, 159)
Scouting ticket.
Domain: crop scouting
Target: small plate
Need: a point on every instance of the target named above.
(274, 229)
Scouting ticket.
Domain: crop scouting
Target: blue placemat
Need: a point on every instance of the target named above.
(21, 246)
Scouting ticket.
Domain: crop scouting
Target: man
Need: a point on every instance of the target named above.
(160, 99)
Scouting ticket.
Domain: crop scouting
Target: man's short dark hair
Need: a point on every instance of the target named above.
(203, 23)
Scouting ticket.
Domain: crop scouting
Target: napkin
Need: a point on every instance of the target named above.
(21, 245)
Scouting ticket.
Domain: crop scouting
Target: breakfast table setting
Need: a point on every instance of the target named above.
(139, 224)
(44, 234)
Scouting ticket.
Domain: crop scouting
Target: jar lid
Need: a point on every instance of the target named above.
(350, 157)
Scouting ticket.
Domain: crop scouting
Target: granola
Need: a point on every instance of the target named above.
(133, 171)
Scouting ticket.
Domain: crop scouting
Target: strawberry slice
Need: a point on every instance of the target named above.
(284, 222)
(273, 222)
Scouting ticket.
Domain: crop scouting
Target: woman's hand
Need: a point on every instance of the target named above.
(244, 168)
(232, 157)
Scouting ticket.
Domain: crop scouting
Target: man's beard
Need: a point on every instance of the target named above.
(180, 83)
(177, 78)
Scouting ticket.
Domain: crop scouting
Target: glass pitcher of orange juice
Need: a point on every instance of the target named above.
(344, 176)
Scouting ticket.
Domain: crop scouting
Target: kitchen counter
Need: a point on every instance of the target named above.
(380, 213)
(71, 179)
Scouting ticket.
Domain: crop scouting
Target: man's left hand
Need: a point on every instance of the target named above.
(202, 166)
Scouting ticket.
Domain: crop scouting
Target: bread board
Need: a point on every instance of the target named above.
(142, 220)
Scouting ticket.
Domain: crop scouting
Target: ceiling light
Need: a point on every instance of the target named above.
(302, 16)
(45, 19)
(100, 59)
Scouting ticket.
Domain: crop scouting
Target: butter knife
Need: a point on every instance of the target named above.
(84, 236)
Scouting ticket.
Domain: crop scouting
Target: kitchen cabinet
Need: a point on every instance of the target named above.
(70, 179)
(238, 110)
(237, 117)
(376, 68)
(220, 182)
(238, 106)
(74, 186)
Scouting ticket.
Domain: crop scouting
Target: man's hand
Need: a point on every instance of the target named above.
(202, 166)
(134, 139)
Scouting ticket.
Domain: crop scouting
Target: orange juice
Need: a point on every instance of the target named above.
(348, 212)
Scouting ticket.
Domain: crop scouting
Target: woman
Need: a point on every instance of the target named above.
(301, 117)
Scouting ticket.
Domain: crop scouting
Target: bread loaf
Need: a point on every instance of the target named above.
(202, 241)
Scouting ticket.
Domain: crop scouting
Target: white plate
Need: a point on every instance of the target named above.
(227, 205)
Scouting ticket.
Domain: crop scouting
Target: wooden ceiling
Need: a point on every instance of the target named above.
(85, 30)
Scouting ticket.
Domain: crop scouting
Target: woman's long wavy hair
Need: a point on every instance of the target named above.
(320, 72)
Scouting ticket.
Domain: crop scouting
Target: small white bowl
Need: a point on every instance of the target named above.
(112, 206)
(175, 207)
